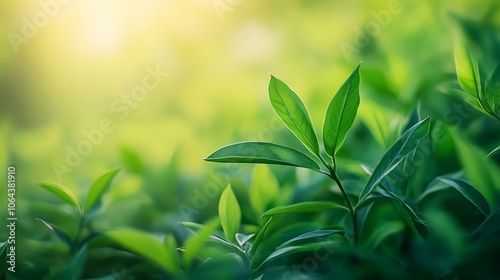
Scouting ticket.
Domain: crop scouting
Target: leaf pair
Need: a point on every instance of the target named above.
(485, 97)
(292, 111)
(92, 205)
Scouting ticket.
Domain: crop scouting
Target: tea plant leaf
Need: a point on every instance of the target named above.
(311, 235)
(492, 152)
(395, 154)
(303, 207)
(260, 237)
(483, 173)
(194, 244)
(492, 88)
(146, 246)
(63, 193)
(286, 251)
(488, 229)
(170, 246)
(294, 114)
(262, 152)
(58, 232)
(341, 113)
(196, 228)
(243, 238)
(264, 189)
(97, 190)
(3, 260)
(229, 213)
(464, 188)
(76, 265)
(467, 71)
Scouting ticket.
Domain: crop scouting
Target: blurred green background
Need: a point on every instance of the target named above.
(64, 73)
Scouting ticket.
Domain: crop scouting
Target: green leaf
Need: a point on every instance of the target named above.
(170, 246)
(196, 228)
(467, 70)
(490, 228)
(63, 193)
(294, 114)
(264, 189)
(262, 152)
(3, 260)
(464, 188)
(260, 237)
(229, 213)
(492, 88)
(482, 172)
(194, 245)
(493, 152)
(303, 207)
(74, 269)
(146, 246)
(59, 233)
(341, 113)
(98, 189)
(286, 251)
(312, 234)
(243, 238)
(395, 154)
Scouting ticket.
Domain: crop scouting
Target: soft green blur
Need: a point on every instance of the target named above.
(215, 58)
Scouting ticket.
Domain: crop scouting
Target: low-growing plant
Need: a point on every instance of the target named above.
(385, 187)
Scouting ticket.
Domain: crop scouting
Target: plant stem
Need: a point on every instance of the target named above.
(332, 173)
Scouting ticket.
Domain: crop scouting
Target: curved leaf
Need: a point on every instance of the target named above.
(58, 232)
(229, 213)
(98, 189)
(145, 245)
(467, 70)
(303, 207)
(395, 154)
(262, 152)
(195, 243)
(259, 237)
(63, 193)
(312, 234)
(294, 114)
(243, 238)
(341, 113)
(465, 189)
(492, 88)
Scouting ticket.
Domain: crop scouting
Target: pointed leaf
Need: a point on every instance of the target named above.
(395, 154)
(464, 188)
(259, 237)
(311, 235)
(74, 269)
(264, 189)
(341, 113)
(63, 193)
(146, 246)
(303, 207)
(294, 114)
(243, 238)
(229, 213)
(98, 189)
(58, 232)
(467, 71)
(194, 244)
(262, 152)
(492, 88)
